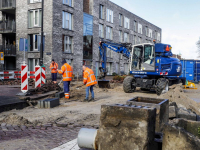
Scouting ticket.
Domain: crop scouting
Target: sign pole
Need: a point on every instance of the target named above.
(24, 49)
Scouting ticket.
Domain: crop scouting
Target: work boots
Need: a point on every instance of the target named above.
(86, 100)
(92, 99)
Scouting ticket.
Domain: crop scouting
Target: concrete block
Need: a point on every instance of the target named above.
(192, 127)
(41, 104)
(175, 138)
(60, 95)
(161, 105)
(186, 114)
(125, 127)
(172, 112)
(51, 102)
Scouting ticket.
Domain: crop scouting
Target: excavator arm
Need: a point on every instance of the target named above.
(123, 48)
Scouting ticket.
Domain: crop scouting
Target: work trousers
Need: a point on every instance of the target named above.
(54, 76)
(91, 90)
(66, 88)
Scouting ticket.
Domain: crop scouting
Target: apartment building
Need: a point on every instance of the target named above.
(73, 29)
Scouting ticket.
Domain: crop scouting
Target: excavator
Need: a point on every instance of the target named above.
(151, 66)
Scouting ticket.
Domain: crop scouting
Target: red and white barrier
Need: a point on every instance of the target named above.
(4, 75)
(43, 75)
(24, 80)
(37, 76)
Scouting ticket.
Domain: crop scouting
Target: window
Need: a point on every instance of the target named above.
(158, 36)
(139, 40)
(135, 26)
(109, 68)
(109, 33)
(126, 22)
(155, 35)
(146, 31)
(109, 53)
(109, 15)
(67, 2)
(120, 36)
(101, 30)
(34, 1)
(150, 33)
(126, 37)
(34, 41)
(135, 39)
(120, 19)
(67, 44)
(34, 18)
(32, 63)
(67, 20)
(139, 28)
(101, 16)
(126, 69)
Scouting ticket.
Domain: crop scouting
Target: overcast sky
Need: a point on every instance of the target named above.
(178, 19)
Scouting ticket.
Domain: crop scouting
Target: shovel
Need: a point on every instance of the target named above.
(79, 86)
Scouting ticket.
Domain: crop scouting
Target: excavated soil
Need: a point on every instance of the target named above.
(74, 111)
(177, 94)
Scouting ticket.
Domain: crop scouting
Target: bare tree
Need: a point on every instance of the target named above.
(198, 47)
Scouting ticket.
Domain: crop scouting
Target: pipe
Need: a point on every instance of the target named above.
(86, 138)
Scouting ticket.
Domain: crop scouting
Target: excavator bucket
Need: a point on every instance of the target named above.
(104, 83)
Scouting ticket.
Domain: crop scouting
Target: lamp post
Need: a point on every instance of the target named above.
(42, 36)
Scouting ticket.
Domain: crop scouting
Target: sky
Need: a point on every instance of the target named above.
(178, 19)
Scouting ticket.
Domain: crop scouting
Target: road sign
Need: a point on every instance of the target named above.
(1, 57)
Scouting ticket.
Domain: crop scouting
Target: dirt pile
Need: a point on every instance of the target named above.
(15, 119)
(176, 94)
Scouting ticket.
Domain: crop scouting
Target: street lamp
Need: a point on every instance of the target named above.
(42, 36)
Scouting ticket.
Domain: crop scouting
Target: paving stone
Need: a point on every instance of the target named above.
(3, 124)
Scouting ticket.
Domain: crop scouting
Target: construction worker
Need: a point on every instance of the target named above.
(90, 80)
(54, 67)
(66, 71)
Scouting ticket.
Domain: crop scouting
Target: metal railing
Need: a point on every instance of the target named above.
(5, 4)
(9, 50)
(7, 26)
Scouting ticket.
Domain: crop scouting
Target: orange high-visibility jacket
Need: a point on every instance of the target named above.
(54, 66)
(89, 77)
(66, 71)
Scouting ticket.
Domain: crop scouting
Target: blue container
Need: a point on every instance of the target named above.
(188, 69)
(197, 70)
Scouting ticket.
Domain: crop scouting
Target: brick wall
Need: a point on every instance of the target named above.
(86, 6)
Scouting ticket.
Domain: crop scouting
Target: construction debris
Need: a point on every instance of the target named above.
(47, 87)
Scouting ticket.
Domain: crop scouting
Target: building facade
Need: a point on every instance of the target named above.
(73, 30)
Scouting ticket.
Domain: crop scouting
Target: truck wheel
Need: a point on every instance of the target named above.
(129, 84)
(162, 86)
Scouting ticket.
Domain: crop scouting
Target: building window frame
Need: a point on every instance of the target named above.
(67, 19)
(34, 18)
(35, 61)
(126, 37)
(126, 22)
(101, 11)
(109, 33)
(135, 26)
(109, 15)
(35, 1)
(68, 2)
(101, 30)
(68, 44)
(120, 20)
(139, 28)
(120, 36)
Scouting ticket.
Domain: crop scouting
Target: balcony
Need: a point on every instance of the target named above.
(8, 6)
(7, 26)
(9, 50)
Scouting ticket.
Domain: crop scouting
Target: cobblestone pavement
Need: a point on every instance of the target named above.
(35, 138)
